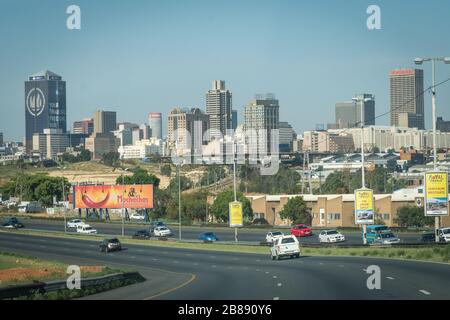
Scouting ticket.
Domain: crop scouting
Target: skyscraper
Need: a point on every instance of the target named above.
(45, 105)
(348, 114)
(218, 107)
(234, 119)
(105, 121)
(407, 102)
(155, 123)
(262, 113)
(86, 126)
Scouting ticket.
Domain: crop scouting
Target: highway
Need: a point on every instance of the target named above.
(174, 273)
(192, 233)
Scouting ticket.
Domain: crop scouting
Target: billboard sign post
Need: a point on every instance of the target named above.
(236, 215)
(364, 207)
(436, 194)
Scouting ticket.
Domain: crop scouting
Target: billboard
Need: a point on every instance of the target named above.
(236, 215)
(364, 208)
(110, 197)
(436, 194)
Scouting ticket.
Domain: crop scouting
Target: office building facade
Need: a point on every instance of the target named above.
(86, 126)
(50, 143)
(45, 105)
(348, 114)
(407, 101)
(155, 124)
(218, 108)
(105, 121)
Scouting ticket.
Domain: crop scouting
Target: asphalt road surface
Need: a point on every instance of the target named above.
(192, 233)
(174, 273)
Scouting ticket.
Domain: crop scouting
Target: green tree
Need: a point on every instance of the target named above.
(193, 205)
(166, 170)
(185, 184)
(111, 159)
(220, 207)
(296, 211)
(413, 217)
(140, 176)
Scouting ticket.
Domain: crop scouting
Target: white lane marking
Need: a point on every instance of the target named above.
(275, 277)
(257, 270)
(212, 257)
(213, 266)
(320, 263)
(267, 272)
(258, 260)
(155, 259)
(425, 292)
(133, 257)
(276, 298)
(390, 278)
(279, 284)
(341, 266)
(195, 264)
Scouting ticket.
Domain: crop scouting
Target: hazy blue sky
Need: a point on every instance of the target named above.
(141, 56)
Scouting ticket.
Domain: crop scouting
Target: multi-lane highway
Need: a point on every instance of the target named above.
(199, 274)
(192, 233)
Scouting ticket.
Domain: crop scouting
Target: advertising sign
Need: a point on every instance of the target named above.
(110, 197)
(436, 194)
(236, 215)
(364, 208)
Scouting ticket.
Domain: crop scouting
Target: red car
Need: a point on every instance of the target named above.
(301, 230)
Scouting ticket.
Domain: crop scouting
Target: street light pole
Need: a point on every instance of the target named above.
(123, 206)
(420, 61)
(234, 185)
(64, 204)
(179, 202)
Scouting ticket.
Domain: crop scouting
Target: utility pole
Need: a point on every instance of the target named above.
(234, 185)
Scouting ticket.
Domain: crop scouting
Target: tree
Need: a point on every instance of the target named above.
(296, 211)
(413, 217)
(164, 205)
(140, 176)
(185, 184)
(193, 205)
(220, 207)
(166, 170)
(111, 159)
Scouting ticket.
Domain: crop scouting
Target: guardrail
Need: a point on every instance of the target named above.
(11, 292)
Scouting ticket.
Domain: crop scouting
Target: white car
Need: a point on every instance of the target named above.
(270, 237)
(444, 234)
(331, 236)
(137, 216)
(285, 246)
(162, 232)
(86, 229)
(74, 223)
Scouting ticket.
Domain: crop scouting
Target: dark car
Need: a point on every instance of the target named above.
(13, 223)
(208, 237)
(141, 234)
(428, 237)
(112, 244)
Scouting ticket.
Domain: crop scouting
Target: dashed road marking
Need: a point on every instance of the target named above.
(321, 263)
(341, 266)
(195, 264)
(425, 292)
(213, 266)
(133, 257)
(155, 259)
(276, 298)
(390, 278)
(257, 270)
(275, 277)
(267, 272)
(279, 284)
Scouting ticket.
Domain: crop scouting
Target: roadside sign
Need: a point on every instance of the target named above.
(236, 215)
(436, 194)
(364, 208)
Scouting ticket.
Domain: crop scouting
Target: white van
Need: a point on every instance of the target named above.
(86, 229)
(285, 246)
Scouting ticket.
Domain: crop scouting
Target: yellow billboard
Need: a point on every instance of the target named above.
(436, 194)
(236, 215)
(110, 197)
(364, 209)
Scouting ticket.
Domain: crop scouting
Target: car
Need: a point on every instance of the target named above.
(208, 237)
(162, 232)
(386, 237)
(74, 223)
(86, 229)
(141, 234)
(331, 236)
(301, 230)
(428, 237)
(13, 223)
(285, 246)
(155, 224)
(137, 216)
(272, 235)
(112, 244)
(444, 234)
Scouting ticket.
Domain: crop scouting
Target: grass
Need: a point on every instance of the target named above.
(433, 254)
(19, 269)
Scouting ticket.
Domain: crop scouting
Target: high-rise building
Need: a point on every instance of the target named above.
(101, 143)
(50, 143)
(407, 101)
(86, 126)
(262, 113)
(441, 125)
(348, 114)
(182, 121)
(287, 136)
(218, 108)
(105, 121)
(45, 105)
(155, 123)
(1, 139)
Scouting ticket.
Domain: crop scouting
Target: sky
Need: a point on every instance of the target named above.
(142, 56)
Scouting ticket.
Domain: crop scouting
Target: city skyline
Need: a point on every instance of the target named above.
(280, 56)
